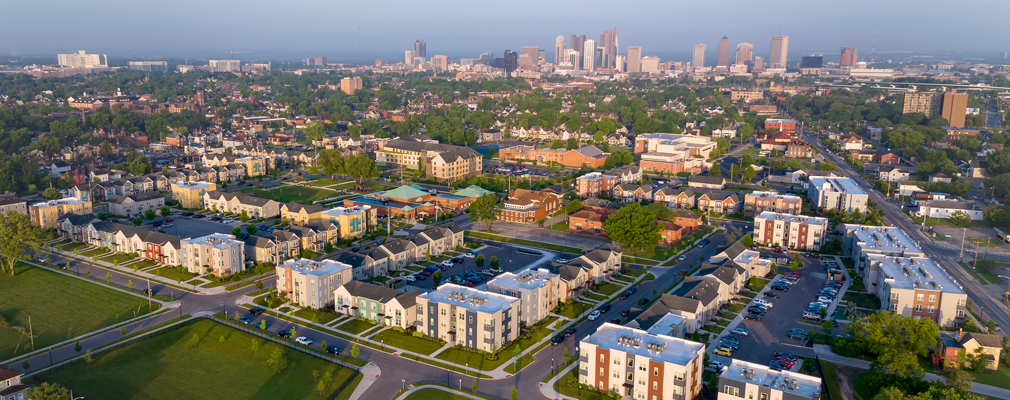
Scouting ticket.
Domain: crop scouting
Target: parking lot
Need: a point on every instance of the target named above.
(511, 259)
(771, 334)
(185, 227)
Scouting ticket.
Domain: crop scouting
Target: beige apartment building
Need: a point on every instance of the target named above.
(10, 202)
(798, 232)
(191, 194)
(236, 203)
(46, 214)
(219, 254)
(468, 317)
(454, 165)
(350, 84)
(538, 291)
(917, 287)
(860, 241)
(759, 202)
(311, 283)
(636, 364)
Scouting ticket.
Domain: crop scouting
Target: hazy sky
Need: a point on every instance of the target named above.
(301, 28)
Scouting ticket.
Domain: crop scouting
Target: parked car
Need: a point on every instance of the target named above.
(304, 340)
(771, 294)
(798, 336)
(457, 260)
(227, 220)
(732, 338)
(715, 366)
(256, 311)
(448, 264)
(615, 321)
(284, 333)
(569, 331)
(594, 315)
(755, 317)
(166, 225)
(724, 351)
(61, 265)
(682, 257)
(410, 278)
(246, 319)
(741, 331)
(470, 254)
(604, 308)
(779, 354)
(731, 345)
(333, 350)
(557, 339)
(198, 216)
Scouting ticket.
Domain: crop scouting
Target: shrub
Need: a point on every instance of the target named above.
(419, 335)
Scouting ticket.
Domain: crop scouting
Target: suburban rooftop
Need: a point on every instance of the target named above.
(774, 195)
(793, 218)
(193, 184)
(635, 341)
(470, 298)
(666, 325)
(844, 185)
(523, 280)
(312, 267)
(785, 381)
(915, 273)
(882, 238)
(217, 240)
(355, 210)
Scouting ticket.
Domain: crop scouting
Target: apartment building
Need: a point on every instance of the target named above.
(746, 380)
(468, 317)
(860, 241)
(916, 286)
(219, 253)
(677, 198)
(301, 214)
(669, 153)
(11, 387)
(454, 165)
(724, 203)
(413, 153)
(759, 202)
(148, 244)
(237, 203)
(586, 221)
(830, 193)
(10, 202)
(135, 204)
(376, 303)
(351, 222)
(529, 206)
(631, 193)
(191, 194)
(311, 283)
(588, 156)
(636, 364)
(590, 268)
(46, 214)
(595, 183)
(791, 231)
(272, 247)
(538, 291)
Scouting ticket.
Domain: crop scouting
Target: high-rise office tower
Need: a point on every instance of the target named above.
(440, 63)
(722, 58)
(744, 53)
(598, 57)
(573, 58)
(533, 52)
(541, 56)
(589, 55)
(608, 41)
(420, 49)
(847, 57)
(83, 60)
(634, 59)
(559, 49)
(486, 58)
(780, 49)
(577, 44)
(511, 60)
(811, 61)
(408, 57)
(759, 62)
(954, 107)
(698, 58)
(619, 64)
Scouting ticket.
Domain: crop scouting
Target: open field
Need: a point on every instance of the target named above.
(287, 194)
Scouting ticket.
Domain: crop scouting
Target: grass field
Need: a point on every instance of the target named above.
(862, 300)
(321, 317)
(60, 307)
(287, 194)
(560, 226)
(143, 264)
(354, 326)
(173, 273)
(326, 182)
(93, 252)
(168, 366)
(523, 242)
(405, 341)
(945, 222)
(607, 288)
(118, 257)
(434, 394)
(72, 246)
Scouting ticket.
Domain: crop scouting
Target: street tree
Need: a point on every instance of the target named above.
(277, 361)
(236, 231)
(355, 351)
(714, 170)
(361, 167)
(256, 347)
(436, 278)
(479, 260)
(959, 218)
(51, 193)
(633, 225)
(166, 211)
(48, 391)
(484, 209)
(250, 229)
(17, 236)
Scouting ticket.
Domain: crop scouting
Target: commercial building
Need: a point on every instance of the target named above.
(160, 66)
(420, 48)
(744, 53)
(634, 59)
(45, 214)
(781, 125)
(311, 283)
(917, 287)
(650, 64)
(759, 202)
(637, 364)
(589, 55)
(529, 206)
(511, 59)
(780, 50)
(950, 104)
(698, 56)
(453, 166)
(670, 153)
(722, 58)
(746, 380)
(830, 193)
(945, 208)
(191, 194)
(225, 65)
(790, 231)
(468, 317)
(847, 57)
(746, 95)
(80, 59)
(349, 85)
(811, 62)
(538, 292)
(589, 156)
(377, 303)
(608, 40)
(439, 63)
(220, 254)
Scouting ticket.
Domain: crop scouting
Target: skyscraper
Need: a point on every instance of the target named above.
(744, 53)
(486, 58)
(439, 63)
(759, 62)
(698, 58)
(532, 51)
(408, 57)
(559, 49)
(780, 48)
(847, 57)
(577, 44)
(82, 59)
(811, 61)
(589, 55)
(722, 58)
(608, 40)
(634, 58)
(511, 59)
(420, 49)
(619, 63)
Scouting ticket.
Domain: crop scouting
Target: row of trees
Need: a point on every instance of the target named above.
(359, 166)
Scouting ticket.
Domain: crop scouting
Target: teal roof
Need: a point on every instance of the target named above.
(418, 187)
(405, 192)
(472, 191)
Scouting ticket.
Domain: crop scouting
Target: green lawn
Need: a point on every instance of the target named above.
(986, 242)
(859, 385)
(607, 288)
(756, 284)
(999, 378)
(94, 252)
(641, 261)
(354, 326)
(568, 385)
(287, 194)
(143, 264)
(60, 307)
(523, 242)
(434, 394)
(830, 380)
(560, 226)
(406, 342)
(174, 273)
(325, 182)
(981, 274)
(862, 300)
(321, 317)
(167, 366)
(573, 309)
(596, 297)
(117, 258)
(72, 246)
(930, 221)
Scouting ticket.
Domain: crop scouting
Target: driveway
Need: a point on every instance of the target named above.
(511, 259)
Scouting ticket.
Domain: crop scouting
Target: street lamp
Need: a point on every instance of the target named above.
(403, 383)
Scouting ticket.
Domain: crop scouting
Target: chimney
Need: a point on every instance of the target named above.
(957, 337)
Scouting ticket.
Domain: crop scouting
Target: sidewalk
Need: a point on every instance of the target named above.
(452, 392)
(547, 389)
(369, 374)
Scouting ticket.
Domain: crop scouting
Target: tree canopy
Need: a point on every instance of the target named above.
(633, 225)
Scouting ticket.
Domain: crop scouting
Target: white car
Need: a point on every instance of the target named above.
(448, 264)
(304, 340)
(470, 254)
(682, 257)
(823, 299)
(410, 278)
(740, 331)
(715, 366)
(594, 315)
(228, 220)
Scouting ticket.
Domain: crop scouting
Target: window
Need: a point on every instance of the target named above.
(601, 358)
(617, 362)
(730, 390)
(617, 374)
(894, 296)
(932, 298)
(601, 369)
(960, 313)
(960, 302)
(631, 362)
(918, 307)
(931, 309)
(655, 385)
(655, 371)
(893, 307)
(764, 396)
(918, 297)
(678, 376)
(631, 376)
(443, 311)
(678, 390)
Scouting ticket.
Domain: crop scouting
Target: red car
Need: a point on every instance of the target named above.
(778, 249)
(467, 283)
(170, 220)
(816, 255)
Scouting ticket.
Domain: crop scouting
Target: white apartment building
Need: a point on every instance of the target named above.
(638, 365)
(219, 254)
(468, 317)
(81, 59)
(830, 193)
(860, 241)
(750, 381)
(538, 291)
(917, 287)
(311, 283)
(798, 232)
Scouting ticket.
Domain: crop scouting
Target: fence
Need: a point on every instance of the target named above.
(287, 343)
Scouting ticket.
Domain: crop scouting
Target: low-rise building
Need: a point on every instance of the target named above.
(468, 317)
(46, 214)
(273, 247)
(636, 364)
(631, 193)
(529, 206)
(376, 303)
(539, 292)
(219, 253)
(946, 208)
(860, 241)
(790, 231)
(837, 194)
(916, 286)
(237, 203)
(953, 350)
(191, 194)
(351, 222)
(301, 214)
(311, 283)
(724, 203)
(759, 202)
(11, 387)
(13, 203)
(135, 204)
(706, 182)
(746, 380)
(588, 156)
(453, 166)
(586, 221)
(890, 173)
(594, 184)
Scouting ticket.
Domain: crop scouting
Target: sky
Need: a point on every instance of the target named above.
(665, 28)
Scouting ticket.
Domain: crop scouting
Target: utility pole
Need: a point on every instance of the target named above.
(31, 334)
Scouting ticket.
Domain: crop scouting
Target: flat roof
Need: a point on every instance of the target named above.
(747, 256)
(217, 240)
(192, 184)
(470, 298)
(768, 215)
(915, 273)
(523, 280)
(65, 200)
(844, 185)
(636, 341)
(761, 375)
(353, 210)
(774, 195)
(666, 325)
(306, 266)
(882, 238)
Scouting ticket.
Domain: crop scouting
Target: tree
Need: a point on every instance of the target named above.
(436, 278)
(897, 341)
(474, 388)
(515, 393)
(479, 260)
(108, 277)
(17, 236)
(259, 285)
(236, 231)
(321, 386)
(220, 340)
(77, 347)
(315, 376)
(25, 366)
(129, 283)
(749, 173)
(48, 391)
(87, 357)
(827, 166)
(51, 193)
(566, 355)
(323, 346)
(277, 362)
(495, 262)
(958, 379)
(256, 347)
(633, 225)
(361, 167)
(166, 211)
(194, 340)
(328, 377)
(959, 218)
(251, 229)
(484, 209)
(827, 326)
(714, 170)
(355, 351)
(243, 216)
(263, 323)
(573, 206)
(136, 221)
(315, 131)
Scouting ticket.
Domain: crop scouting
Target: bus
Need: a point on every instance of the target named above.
(1003, 235)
